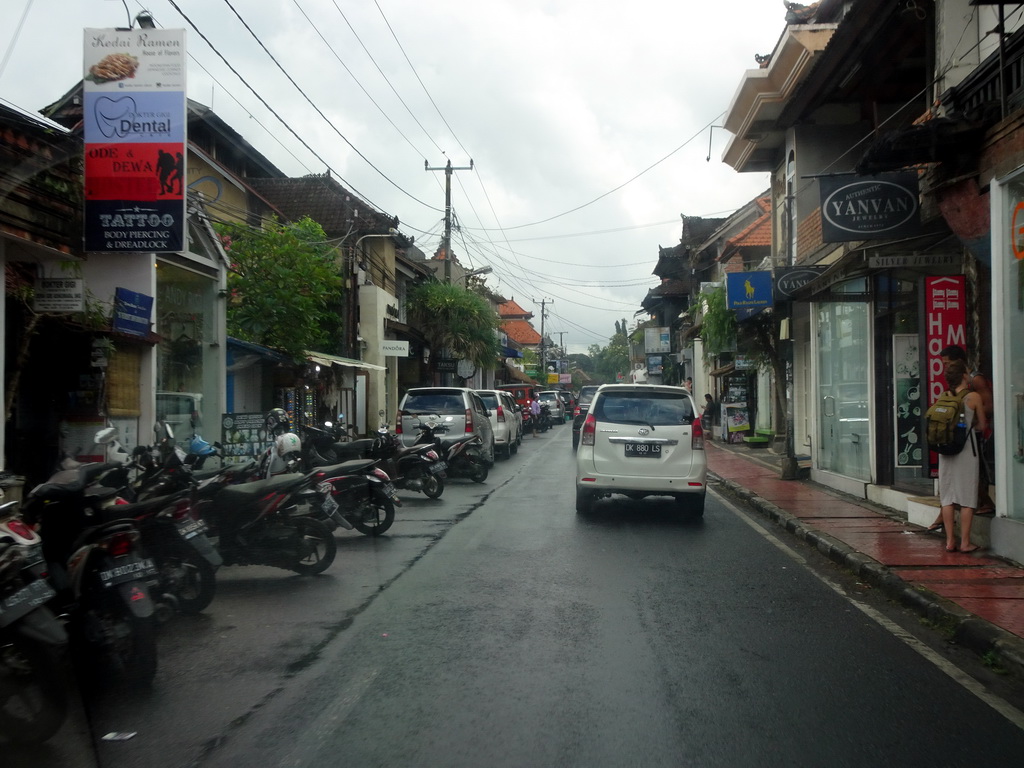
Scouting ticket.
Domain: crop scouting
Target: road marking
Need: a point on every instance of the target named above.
(967, 682)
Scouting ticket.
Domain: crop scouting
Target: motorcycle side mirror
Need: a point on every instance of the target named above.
(381, 413)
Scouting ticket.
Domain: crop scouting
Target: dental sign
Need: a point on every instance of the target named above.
(134, 115)
(869, 207)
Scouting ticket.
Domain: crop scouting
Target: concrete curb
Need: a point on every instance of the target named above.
(972, 632)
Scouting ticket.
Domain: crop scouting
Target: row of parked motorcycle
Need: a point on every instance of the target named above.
(99, 554)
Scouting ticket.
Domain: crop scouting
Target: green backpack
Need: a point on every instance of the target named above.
(946, 424)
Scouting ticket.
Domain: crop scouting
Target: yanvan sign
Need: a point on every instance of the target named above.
(869, 208)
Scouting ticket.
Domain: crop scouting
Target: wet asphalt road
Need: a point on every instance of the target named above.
(496, 627)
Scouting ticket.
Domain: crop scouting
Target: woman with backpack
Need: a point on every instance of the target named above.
(958, 473)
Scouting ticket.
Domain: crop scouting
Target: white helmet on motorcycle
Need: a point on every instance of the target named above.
(287, 443)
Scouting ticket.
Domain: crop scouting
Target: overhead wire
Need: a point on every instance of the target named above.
(320, 111)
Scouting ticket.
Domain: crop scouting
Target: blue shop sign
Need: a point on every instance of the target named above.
(132, 312)
(748, 290)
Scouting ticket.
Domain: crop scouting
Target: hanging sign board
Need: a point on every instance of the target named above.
(59, 295)
(748, 290)
(394, 348)
(788, 280)
(657, 340)
(134, 118)
(869, 207)
(132, 312)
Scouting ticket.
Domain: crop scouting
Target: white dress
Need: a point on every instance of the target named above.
(958, 474)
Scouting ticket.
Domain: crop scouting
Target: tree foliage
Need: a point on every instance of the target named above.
(284, 287)
(610, 361)
(455, 319)
(718, 324)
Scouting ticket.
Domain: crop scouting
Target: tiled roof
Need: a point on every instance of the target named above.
(512, 310)
(758, 233)
(521, 332)
(322, 199)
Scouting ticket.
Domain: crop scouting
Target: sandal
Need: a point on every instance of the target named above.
(974, 548)
(952, 548)
(935, 527)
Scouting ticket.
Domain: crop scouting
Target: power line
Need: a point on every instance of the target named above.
(319, 111)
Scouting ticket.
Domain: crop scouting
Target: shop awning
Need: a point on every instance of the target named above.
(725, 369)
(322, 358)
(516, 375)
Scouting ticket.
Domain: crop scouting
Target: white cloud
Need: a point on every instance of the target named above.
(558, 102)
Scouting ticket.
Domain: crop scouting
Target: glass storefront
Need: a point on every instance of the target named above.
(187, 376)
(843, 363)
(1008, 341)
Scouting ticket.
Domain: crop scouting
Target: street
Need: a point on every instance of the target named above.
(495, 627)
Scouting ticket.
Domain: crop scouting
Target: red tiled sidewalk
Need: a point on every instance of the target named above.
(987, 587)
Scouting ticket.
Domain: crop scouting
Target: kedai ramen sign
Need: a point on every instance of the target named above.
(867, 208)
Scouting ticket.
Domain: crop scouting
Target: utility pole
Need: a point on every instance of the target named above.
(561, 348)
(543, 346)
(448, 212)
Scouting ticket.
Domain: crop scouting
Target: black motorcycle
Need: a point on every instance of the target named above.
(461, 457)
(351, 494)
(260, 523)
(101, 575)
(160, 503)
(33, 644)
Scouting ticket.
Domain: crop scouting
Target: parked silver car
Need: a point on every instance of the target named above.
(506, 420)
(460, 409)
(552, 399)
(642, 440)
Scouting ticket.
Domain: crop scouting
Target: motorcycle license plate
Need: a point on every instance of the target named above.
(130, 571)
(389, 490)
(191, 528)
(329, 505)
(643, 450)
(438, 466)
(27, 598)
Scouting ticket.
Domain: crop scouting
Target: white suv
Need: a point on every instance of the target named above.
(506, 421)
(642, 440)
(460, 409)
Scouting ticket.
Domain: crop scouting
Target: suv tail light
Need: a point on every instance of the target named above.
(697, 435)
(501, 413)
(575, 411)
(469, 421)
(588, 430)
(398, 423)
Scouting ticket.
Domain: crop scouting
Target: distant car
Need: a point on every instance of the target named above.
(460, 409)
(506, 420)
(642, 440)
(183, 411)
(579, 413)
(568, 401)
(553, 400)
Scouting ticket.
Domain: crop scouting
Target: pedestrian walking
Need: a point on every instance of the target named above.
(534, 414)
(958, 473)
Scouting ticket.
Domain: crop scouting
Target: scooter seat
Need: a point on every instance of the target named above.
(246, 492)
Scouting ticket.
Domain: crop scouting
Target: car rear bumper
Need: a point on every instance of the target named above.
(652, 485)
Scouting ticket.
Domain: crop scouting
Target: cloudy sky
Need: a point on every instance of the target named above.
(587, 121)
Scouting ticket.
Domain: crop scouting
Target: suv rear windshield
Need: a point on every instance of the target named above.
(651, 408)
(587, 395)
(490, 400)
(547, 397)
(439, 402)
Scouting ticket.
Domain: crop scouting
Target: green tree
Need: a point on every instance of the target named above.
(455, 319)
(609, 361)
(284, 286)
(756, 337)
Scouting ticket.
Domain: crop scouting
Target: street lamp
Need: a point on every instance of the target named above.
(473, 272)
